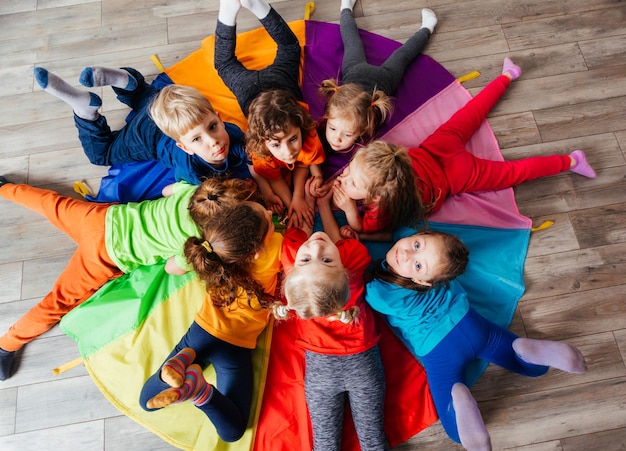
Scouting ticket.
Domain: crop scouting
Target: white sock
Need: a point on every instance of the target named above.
(228, 12)
(429, 19)
(347, 4)
(260, 8)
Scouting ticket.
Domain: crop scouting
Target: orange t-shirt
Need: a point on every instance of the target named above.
(312, 152)
(242, 322)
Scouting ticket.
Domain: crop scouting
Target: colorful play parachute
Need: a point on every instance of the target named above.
(126, 329)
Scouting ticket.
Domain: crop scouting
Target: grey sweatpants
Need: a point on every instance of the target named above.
(246, 84)
(387, 77)
(328, 381)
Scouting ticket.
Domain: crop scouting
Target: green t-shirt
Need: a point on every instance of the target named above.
(143, 233)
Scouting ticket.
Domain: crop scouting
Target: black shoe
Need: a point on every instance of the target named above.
(3, 180)
(6, 361)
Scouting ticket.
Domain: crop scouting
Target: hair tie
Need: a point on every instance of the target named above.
(282, 311)
(335, 88)
(344, 317)
(207, 246)
(373, 104)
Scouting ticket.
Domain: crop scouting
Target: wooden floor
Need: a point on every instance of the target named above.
(572, 95)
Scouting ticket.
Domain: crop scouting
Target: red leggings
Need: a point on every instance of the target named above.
(88, 269)
(465, 172)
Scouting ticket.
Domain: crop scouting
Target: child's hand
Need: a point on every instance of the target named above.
(316, 186)
(309, 197)
(342, 200)
(300, 213)
(348, 232)
(274, 203)
(327, 197)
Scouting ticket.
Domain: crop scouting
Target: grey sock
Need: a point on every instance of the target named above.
(84, 103)
(105, 76)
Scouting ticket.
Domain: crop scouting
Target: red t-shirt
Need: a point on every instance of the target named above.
(432, 184)
(334, 337)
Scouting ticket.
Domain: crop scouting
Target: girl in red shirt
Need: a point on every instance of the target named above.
(399, 185)
(324, 286)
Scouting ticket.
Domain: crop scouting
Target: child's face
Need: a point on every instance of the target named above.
(209, 140)
(417, 257)
(341, 133)
(285, 146)
(353, 180)
(319, 252)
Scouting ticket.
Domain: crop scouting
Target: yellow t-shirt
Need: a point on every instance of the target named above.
(241, 322)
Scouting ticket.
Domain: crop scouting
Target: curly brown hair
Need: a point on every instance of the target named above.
(273, 112)
(223, 256)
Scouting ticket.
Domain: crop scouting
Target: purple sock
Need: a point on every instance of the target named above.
(582, 167)
(550, 353)
(514, 70)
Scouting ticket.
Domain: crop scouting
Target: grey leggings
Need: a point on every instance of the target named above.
(246, 84)
(328, 381)
(387, 77)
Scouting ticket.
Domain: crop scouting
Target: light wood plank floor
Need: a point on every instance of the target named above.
(572, 95)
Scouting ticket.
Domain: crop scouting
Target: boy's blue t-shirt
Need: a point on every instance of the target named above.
(194, 169)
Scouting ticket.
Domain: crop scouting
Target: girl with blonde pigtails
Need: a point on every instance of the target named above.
(324, 293)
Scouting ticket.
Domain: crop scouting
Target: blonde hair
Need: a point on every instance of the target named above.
(312, 294)
(177, 109)
(273, 112)
(350, 101)
(392, 182)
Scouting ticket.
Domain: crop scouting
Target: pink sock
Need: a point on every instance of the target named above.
(582, 167)
(513, 70)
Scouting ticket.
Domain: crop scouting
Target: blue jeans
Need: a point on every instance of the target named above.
(229, 405)
(136, 141)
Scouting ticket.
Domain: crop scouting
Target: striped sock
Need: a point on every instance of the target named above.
(173, 371)
(194, 388)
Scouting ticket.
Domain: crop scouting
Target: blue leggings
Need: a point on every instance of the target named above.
(229, 405)
(136, 141)
(474, 337)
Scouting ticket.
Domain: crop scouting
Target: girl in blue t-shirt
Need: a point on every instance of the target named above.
(413, 288)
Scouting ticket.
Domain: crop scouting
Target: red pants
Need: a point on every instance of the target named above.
(466, 173)
(89, 268)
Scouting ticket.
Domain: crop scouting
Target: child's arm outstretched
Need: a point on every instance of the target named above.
(272, 200)
(328, 219)
(300, 212)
